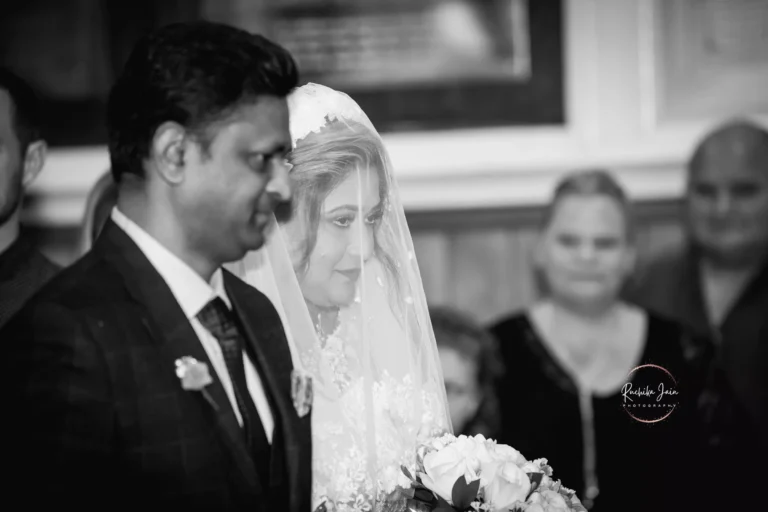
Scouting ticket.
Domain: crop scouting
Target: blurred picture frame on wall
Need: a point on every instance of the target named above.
(71, 50)
(413, 65)
(416, 65)
(711, 58)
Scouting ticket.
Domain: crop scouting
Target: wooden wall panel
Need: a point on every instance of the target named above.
(432, 250)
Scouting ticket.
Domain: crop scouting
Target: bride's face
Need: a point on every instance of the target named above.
(345, 240)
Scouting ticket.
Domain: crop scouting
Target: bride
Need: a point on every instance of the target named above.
(342, 273)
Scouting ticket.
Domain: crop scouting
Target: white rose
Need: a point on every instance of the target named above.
(477, 447)
(506, 453)
(534, 503)
(531, 467)
(466, 445)
(548, 500)
(443, 467)
(544, 465)
(482, 457)
(439, 443)
(476, 452)
(509, 485)
(499, 455)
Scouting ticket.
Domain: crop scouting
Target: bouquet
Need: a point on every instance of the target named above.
(475, 474)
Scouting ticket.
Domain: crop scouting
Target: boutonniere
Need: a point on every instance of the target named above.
(301, 392)
(194, 376)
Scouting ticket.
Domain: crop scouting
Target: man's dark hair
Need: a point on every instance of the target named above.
(25, 111)
(193, 74)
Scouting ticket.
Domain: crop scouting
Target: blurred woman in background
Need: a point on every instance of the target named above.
(569, 356)
(471, 370)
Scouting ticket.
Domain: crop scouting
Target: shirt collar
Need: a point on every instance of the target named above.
(188, 287)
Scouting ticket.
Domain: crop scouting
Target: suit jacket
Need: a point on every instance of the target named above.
(733, 403)
(97, 416)
(671, 286)
(23, 271)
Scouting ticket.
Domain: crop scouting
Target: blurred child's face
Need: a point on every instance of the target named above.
(461, 386)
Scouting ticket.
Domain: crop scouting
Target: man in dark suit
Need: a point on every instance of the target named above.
(145, 375)
(716, 283)
(23, 269)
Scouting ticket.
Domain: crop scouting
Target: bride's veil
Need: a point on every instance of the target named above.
(343, 275)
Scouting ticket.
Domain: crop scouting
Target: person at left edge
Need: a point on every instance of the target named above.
(23, 269)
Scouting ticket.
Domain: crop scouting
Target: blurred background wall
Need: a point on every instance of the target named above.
(483, 104)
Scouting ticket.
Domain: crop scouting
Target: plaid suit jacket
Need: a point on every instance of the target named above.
(23, 271)
(96, 417)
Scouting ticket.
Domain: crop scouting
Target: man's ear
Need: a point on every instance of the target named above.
(34, 161)
(168, 152)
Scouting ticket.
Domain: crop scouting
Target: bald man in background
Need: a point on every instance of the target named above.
(717, 284)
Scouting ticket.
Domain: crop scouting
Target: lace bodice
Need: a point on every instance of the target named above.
(405, 413)
(343, 449)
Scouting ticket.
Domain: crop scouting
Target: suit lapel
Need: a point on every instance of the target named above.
(264, 332)
(168, 325)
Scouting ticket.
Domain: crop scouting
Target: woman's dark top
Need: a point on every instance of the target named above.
(639, 466)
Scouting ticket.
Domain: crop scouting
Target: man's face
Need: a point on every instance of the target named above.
(728, 207)
(229, 195)
(11, 162)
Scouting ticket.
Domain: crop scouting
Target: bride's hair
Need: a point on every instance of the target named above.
(321, 162)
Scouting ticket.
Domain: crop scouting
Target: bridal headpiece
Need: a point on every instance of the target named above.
(314, 106)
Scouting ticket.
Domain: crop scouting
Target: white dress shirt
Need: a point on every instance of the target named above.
(193, 293)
